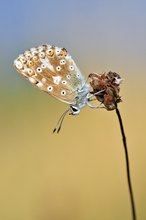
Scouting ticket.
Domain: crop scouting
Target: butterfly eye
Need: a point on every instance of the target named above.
(64, 82)
(39, 69)
(63, 92)
(62, 62)
(42, 55)
(71, 67)
(68, 76)
(75, 110)
(58, 68)
(43, 66)
(30, 72)
(50, 88)
(50, 52)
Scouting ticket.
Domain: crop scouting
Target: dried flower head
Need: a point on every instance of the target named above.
(109, 85)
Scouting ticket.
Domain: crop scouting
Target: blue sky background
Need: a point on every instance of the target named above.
(101, 35)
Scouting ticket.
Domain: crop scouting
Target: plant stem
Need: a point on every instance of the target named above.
(127, 165)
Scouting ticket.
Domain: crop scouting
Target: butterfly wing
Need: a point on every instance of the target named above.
(52, 70)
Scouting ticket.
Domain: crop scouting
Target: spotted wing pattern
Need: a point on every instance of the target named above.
(52, 70)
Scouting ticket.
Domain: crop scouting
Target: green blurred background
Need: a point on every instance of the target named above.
(80, 173)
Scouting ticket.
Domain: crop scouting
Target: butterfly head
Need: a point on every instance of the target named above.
(74, 110)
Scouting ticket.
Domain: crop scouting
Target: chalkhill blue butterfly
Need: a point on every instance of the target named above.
(53, 70)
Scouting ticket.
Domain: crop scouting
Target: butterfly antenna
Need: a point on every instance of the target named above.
(60, 121)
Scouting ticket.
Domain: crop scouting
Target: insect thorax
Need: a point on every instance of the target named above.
(81, 100)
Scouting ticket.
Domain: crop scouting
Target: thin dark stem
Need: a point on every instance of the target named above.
(127, 165)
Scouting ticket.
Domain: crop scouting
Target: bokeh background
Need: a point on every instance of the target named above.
(80, 173)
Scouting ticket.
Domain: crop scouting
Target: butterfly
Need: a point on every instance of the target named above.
(53, 70)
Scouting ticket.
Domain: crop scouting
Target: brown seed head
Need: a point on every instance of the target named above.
(110, 84)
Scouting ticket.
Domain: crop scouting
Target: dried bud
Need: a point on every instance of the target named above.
(109, 85)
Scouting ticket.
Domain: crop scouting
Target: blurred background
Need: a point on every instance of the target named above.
(79, 174)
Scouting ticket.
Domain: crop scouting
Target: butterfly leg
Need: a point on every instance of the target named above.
(60, 121)
(94, 94)
(93, 106)
(91, 97)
